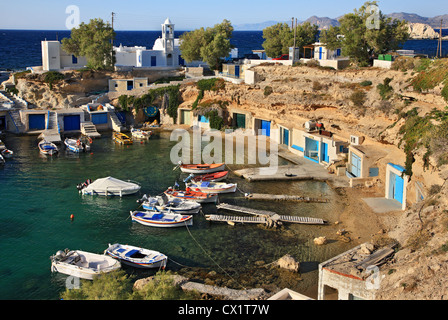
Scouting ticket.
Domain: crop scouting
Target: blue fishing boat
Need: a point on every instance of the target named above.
(137, 257)
(161, 219)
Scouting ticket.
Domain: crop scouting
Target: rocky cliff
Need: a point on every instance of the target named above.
(421, 31)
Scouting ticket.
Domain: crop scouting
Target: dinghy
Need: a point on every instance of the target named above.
(191, 195)
(174, 205)
(201, 168)
(161, 219)
(213, 177)
(140, 134)
(6, 153)
(83, 264)
(213, 187)
(121, 138)
(110, 186)
(137, 257)
(47, 147)
(76, 146)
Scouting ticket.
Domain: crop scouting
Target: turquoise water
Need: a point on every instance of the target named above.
(38, 195)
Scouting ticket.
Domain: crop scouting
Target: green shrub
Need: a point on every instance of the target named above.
(53, 77)
(385, 90)
(358, 98)
(445, 92)
(216, 122)
(268, 90)
(366, 83)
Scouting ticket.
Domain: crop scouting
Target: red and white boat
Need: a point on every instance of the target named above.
(191, 195)
(213, 187)
(202, 168)
(212, 177)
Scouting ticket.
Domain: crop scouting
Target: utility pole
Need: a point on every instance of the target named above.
(439, 42)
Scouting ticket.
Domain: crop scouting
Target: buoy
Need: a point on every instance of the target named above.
(71, 217)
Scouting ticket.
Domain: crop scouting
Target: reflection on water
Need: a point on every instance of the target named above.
(39, 195)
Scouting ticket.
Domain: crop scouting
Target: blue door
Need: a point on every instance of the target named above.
(36, 121)
(320, 53)
(237, 71)
(311, 150)
(356, 165)
(266, 128)
(72, 123)
(153, 61)
(286, 137)
(398, 188)
(324, 155)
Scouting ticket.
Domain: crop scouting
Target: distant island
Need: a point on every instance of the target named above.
(325, 22)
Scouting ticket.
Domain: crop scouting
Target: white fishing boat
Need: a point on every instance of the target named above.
(110, 186)
(191, 195)
(161, 219)
(47, 147)
(174, 205)
(137, 257)
(213, 187)
(6, 153)
(76, 146)
(83, 264)
(201, 168)
(140, 134)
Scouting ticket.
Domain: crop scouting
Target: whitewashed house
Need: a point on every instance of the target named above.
(56, 59)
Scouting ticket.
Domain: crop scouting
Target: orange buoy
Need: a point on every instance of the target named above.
(72, 216)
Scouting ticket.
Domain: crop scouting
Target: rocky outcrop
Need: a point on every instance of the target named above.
(421, 31)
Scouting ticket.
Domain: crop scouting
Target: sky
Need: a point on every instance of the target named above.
(189, 14)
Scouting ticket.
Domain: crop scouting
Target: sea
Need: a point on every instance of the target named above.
(39, 195)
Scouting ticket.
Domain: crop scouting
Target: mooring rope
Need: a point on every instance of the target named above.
(188, 229)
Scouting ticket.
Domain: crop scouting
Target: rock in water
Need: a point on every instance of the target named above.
(320, 241)
(289, 263)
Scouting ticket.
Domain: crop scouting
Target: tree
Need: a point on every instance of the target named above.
(210, 45)
(360, 40)
(93, 41)
(280, 37)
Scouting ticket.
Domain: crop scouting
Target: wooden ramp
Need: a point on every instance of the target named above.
(283, 197)
(261, 216)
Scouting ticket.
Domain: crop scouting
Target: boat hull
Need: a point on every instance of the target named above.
(121, 138)
(214, 187)
(48, 148)
(201, 169)
(183, 195)
(88, 270)
(212, 177)
(150, 259)
(72, 146)
(161, 220)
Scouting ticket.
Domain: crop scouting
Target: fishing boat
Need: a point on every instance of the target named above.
(213, 177)
(137, 257)
(191, 195)
(213, 187)
(76, 145)
(81, 264)
(110, 186)
(47, 147)
(161, 219)
(140, 134)
(175, 205)
(2, 160)
(6, 153)
(201, 168)
(121, 138)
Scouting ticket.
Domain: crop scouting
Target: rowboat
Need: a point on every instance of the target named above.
(191, 195)
(213, 187)
(140, 134)
(213, 177)
(76, 146)
(6, 153)
(174, 205)
(83, 264)
(121, 138)
(161, 219)
(202, 168)
(110, 186)
(47, 147)
(137, 257)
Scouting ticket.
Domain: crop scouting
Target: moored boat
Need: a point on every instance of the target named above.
(2, 160)
(109, 186)
(174, 205)
(161, 219)
(191, 195)
(213, 177)
(6, 153)
(213, 187)
(140, 134)
(202, 168)
(81, 264)
(137, 257)
(121, 138)
(47, 147)
(76, 145)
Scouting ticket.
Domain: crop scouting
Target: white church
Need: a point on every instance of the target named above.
(164, 53)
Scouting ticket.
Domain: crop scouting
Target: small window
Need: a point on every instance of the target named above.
(141, 84)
